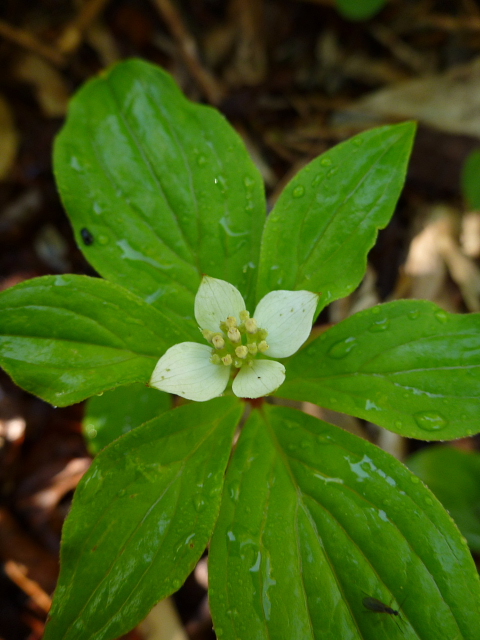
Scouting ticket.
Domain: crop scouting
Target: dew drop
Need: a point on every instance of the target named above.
(414, 479)
(358, 142)
(326, 162)
(234, 490)
(430, 421)
(102, 239)
(398, 424)
(299, 191)
(198, 503)
(376, 310)
(428, 500)
(342, 348)
(441, 316)
(379, 326)
(248, 182)
(413, 315)
(316, 181)
(201, 160)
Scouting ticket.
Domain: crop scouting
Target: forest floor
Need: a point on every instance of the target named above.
(294, 77)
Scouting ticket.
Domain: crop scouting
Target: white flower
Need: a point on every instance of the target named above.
(280, 325)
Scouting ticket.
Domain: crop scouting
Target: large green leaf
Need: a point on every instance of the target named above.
(65, 338)
(313, 521)
(162, 188)
(408, 366)
(327, 218)
(140, 520)
(118, 411)
(454, 477)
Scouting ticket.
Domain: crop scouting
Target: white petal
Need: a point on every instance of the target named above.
(185, 369)
(288, 317)
(264, 376)
(215, 301)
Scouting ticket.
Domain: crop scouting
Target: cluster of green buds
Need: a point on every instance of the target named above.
(237, 344)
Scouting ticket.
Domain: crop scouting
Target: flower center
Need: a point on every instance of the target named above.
(235, 343)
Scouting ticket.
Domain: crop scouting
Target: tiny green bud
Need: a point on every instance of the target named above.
(215, 359)
(241, 352)
(237, 363)
(208, 335)
(234, 334)
(262, 334)
(244, 316)
(262, 346)
(251, 325)
(218, 341)
(252, 348)
(227, 360)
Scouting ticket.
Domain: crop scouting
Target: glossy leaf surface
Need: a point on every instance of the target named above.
(454, 477)
(327, 218)
(65, 338)
(408, 366)
(164, 187)
(140, 520)
(314, 520)
(118, 411)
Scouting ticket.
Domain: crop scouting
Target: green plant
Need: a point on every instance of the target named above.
(305, 521)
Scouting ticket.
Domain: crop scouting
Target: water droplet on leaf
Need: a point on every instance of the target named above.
(325, 162)
(441, 316)
(299, 191)
(430, 421)
(102, 239)
(380, 325)
(201, 160)
(342, 348)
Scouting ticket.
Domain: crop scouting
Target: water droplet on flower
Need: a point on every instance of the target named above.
(325, 162)
(441, 316)
(381, 325)
(299, 191)
(342, 348)
(430, 421)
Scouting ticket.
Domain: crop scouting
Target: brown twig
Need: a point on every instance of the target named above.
(30, 587)
(32, 43)
(189, 51)
(450, 23)
(73, 33)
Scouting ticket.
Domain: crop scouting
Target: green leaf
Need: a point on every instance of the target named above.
(140, 520)
(407, 365)
(360, 9)
(163, 187)
(454, 477)
(313, 520)
(326, 220)
(471, 179)
(65, 338)
(116, 412)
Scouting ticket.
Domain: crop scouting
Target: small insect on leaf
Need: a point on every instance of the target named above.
(87, 236)
(377, 606)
